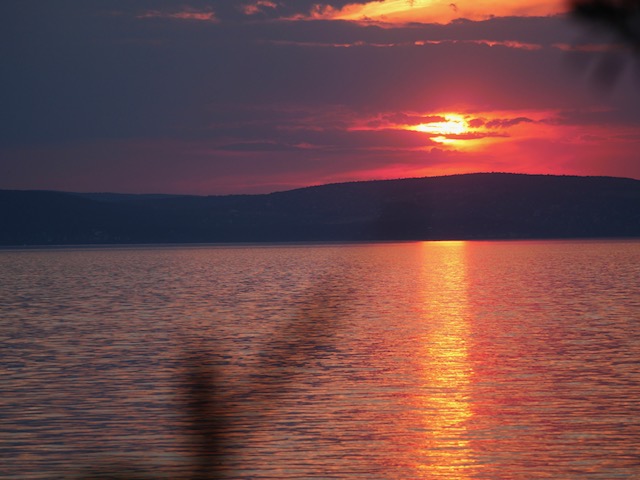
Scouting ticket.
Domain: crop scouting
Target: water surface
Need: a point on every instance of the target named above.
(456, 360)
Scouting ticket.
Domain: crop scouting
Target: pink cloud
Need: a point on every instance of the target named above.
(257, 7)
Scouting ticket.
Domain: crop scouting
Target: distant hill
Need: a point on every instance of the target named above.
(473, 206)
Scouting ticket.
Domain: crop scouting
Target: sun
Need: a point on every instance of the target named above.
(453, 124)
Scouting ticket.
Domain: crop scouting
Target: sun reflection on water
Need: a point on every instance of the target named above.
(446, 368)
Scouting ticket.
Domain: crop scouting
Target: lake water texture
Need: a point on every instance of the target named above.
(454, 360)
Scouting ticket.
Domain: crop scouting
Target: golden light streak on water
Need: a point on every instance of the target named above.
(446, 369)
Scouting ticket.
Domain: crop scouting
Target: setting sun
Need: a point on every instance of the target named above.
(453, 125)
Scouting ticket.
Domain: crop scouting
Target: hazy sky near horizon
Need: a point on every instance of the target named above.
(233, 96)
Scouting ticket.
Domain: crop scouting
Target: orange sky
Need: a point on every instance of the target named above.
(438, 11)
(506, 141)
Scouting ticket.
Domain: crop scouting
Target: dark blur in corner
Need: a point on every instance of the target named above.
(617, 23)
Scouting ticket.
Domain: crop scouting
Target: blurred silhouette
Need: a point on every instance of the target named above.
(616, 21)
(207, 414)
(211, 407)
(621, 18)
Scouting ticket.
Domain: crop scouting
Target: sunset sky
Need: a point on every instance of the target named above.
(233, 96)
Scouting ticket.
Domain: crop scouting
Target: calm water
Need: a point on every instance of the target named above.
(456, 360)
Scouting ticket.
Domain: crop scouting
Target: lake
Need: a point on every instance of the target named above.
(455, 360)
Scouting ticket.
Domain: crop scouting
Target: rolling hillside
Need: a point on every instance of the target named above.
(473, 206)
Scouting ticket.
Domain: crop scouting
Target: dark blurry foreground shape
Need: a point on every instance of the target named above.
(617, 21)
(619, 17)
(207, 415)
(306, 338)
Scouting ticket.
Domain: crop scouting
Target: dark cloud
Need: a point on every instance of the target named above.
(258, 147)
(506, 122)
(405, 119)
(598, 115)
(224, 10)
(476, 122)
(290, 8)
